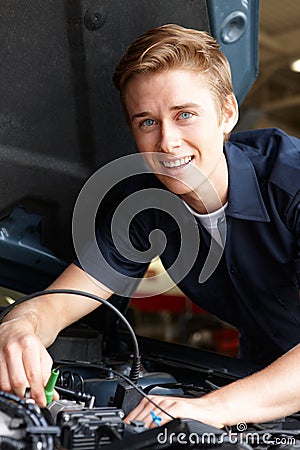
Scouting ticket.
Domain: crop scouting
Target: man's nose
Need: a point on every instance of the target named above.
(170, 137)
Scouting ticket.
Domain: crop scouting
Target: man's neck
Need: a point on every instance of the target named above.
(212, 194)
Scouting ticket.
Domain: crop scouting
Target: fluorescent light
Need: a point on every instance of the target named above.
(295, 65)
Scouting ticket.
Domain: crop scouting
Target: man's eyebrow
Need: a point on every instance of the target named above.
(185, 105)
(141, 114)
(173, 108)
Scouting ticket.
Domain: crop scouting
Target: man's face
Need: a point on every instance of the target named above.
(177, 127)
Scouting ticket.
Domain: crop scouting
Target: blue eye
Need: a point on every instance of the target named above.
(148, 122)
(186, 115)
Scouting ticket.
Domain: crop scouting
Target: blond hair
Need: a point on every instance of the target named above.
(175, 47)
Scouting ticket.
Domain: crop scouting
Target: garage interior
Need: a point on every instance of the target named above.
(274, 99)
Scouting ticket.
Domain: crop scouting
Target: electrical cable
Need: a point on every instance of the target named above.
(135, 369)
(121, 375)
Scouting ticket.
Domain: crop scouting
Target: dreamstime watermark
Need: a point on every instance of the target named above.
(88, 249)
(210, 439)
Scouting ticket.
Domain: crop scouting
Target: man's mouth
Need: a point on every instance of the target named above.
(178, 162)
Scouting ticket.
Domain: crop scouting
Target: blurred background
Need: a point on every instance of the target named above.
(274, 99)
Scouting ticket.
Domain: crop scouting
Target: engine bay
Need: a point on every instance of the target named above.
(97, 392)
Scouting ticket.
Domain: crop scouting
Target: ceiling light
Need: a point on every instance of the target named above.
(295, 65)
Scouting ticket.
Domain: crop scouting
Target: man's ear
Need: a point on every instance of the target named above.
(230, 113)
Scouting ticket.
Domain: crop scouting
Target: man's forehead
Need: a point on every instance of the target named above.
(165, 92)
(165, 79)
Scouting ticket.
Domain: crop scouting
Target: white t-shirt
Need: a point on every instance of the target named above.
(210, 222)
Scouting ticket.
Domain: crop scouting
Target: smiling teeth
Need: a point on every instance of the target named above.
(177, 163)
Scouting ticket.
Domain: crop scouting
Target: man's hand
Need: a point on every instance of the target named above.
(177, 407)
(33, 325)
(24, 361)
(268, 394)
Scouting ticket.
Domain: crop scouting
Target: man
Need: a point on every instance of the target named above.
(175, 86)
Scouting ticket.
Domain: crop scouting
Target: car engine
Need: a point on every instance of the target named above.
(95, 398)
(101, 380)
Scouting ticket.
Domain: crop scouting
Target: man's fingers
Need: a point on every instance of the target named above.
(15, 369)
(4, 378)
(38, 370)
(26, 363)
(56, 395)
(148, 413)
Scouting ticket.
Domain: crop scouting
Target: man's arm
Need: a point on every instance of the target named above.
(271, 393)
(34, 325)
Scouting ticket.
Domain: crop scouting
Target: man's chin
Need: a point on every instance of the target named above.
(175, 186)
